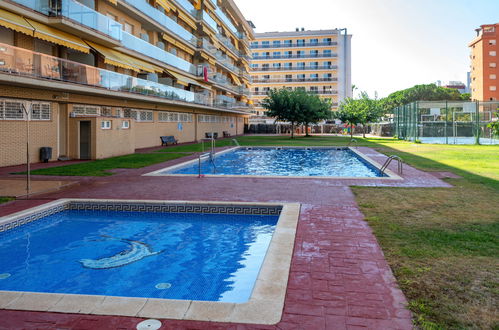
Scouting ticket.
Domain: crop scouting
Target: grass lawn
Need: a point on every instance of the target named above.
(101, 167)
(5, 199)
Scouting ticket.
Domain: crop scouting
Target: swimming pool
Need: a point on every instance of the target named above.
(193, 252)
(281, 162)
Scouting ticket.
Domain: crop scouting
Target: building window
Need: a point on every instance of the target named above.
(289, 77)
(276, 43)
(145, 116)
(107, 111)
(288, 42)
(300, 77)
(277, 54)
(492, 88)
(300, 42)
(327, 65)
(288, 65)
(255, 54)
(300, 65)
(314, 76)
(276, 65)
(492, 53)
(254, 44)
(492, 42)
(86, 110)
(105, 124)
(326, 41)
(128, 27)
(288, 54)
(492, 76)
(125, 124)
(327, 52)
(314, 53)
(300, 53)
(254, 65)
(327, 76)
(40, 111)
(265, 66)
(492, 64)
(265, 44)
(314, 65)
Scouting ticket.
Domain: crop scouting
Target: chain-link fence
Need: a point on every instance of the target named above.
(448, 122)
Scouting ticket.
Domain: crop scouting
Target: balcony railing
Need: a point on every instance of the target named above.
(208, 20)
(132, 42)
(292, 80)
(297, 68)
(309, 91)
(277, 57)
(293, 45)
(162, 19)
(227, 43)
(77, 12)
(227, 21)
(224, 81)
(188, 7)
(22, 62)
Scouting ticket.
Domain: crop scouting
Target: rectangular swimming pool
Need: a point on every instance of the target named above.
(183, 251)
(281, 162)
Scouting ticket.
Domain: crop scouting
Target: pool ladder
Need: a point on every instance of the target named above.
(210, 154)
(234, 141)
(389, 160)
(352, 141)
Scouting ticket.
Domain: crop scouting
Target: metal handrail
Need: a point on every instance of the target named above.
(235, 142)
(389, 160)
(352, 141)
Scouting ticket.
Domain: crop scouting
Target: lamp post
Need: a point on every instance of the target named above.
(28, 178)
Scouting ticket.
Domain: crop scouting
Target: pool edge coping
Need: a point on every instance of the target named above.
(390, 174)
(265, 305)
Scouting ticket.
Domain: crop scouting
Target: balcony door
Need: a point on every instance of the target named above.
(85, 139)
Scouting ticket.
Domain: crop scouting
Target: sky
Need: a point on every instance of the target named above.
(396, 44)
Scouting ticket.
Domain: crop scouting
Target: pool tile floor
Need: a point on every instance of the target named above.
(338, 279)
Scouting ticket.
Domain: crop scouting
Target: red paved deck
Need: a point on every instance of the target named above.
(339, 278)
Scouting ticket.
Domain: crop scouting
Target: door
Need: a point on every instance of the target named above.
(85, 139)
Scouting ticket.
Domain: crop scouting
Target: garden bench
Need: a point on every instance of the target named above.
(168, 139)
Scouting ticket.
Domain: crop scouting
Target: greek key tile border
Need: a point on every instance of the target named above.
(125, 206)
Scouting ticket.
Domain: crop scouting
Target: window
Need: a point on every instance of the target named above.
(117, 113)
(145, 116)
(266, 77)
(174, 117)
(492, 53)
(11, 109)
(276, 43)
(300, 77)
(288, 42)
(492, 88)
(327, 65)
(314, 76)
(492, 76)
(254, 65)
(288, 54)
(300, 65)
(277, 54)
(40, 111)
(327, 52)
(314, 53)
(107, 111)
(265, 67)
(125, 124)
(314, 89)
(276, 65)
(300, 53)
(314, 41)
(326, 41)
(265, 44)
(288, 65)
(254, 44)
(128, 27)
(300, 42)
(254, 54)
(129, 113)
(492, 42)
(492, 64)
(86, 110)
(266, 54)
(314, 65)
(327, 76)
(289, 77)
(105, 124)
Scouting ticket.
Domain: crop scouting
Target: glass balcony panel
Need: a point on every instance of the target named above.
(132, 42)
(227, 21)
(210, 21)
(41, 6)
(162, 19)
(187, 6)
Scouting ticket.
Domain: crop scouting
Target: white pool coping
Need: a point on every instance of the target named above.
(390, 174)
(265, 305)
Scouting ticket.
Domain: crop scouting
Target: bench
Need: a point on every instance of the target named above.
(168, 139)
(226, 134)
(208, 135)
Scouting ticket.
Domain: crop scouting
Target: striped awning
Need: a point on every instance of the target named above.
(183, 80)
(15, 22)
(59, 37)
(165, 5)
(189, 21)
(235, 79)
(178, 44)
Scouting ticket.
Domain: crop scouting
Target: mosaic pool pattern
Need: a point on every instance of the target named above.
(277, 161)
(92, 248)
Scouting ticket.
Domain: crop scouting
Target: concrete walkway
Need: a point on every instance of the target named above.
(339, 278)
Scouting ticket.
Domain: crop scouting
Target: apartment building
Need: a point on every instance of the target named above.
(318, 61)
(484, 63)
(101, 78)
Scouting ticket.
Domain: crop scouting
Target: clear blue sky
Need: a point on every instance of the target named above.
(396, 43)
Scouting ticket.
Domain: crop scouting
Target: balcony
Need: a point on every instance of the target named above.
(134, 43)
(291, 45)
(223, 81)
(188, 7)
(226, 42)
(208, 20)
(227, 21)
(292, 80)
(323, 92)
(279, 57)
(298, 68)
(21, 62)
(77, 12)
(165, 21)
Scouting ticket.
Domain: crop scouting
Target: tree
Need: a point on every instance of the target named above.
(296, 107)
(359, 111)
(494, 126)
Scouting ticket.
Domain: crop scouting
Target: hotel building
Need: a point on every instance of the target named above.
(484, 62)
(101, 78)
(318, 61)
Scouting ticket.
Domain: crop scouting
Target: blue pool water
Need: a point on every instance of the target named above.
(212, 257)
(284, 162)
